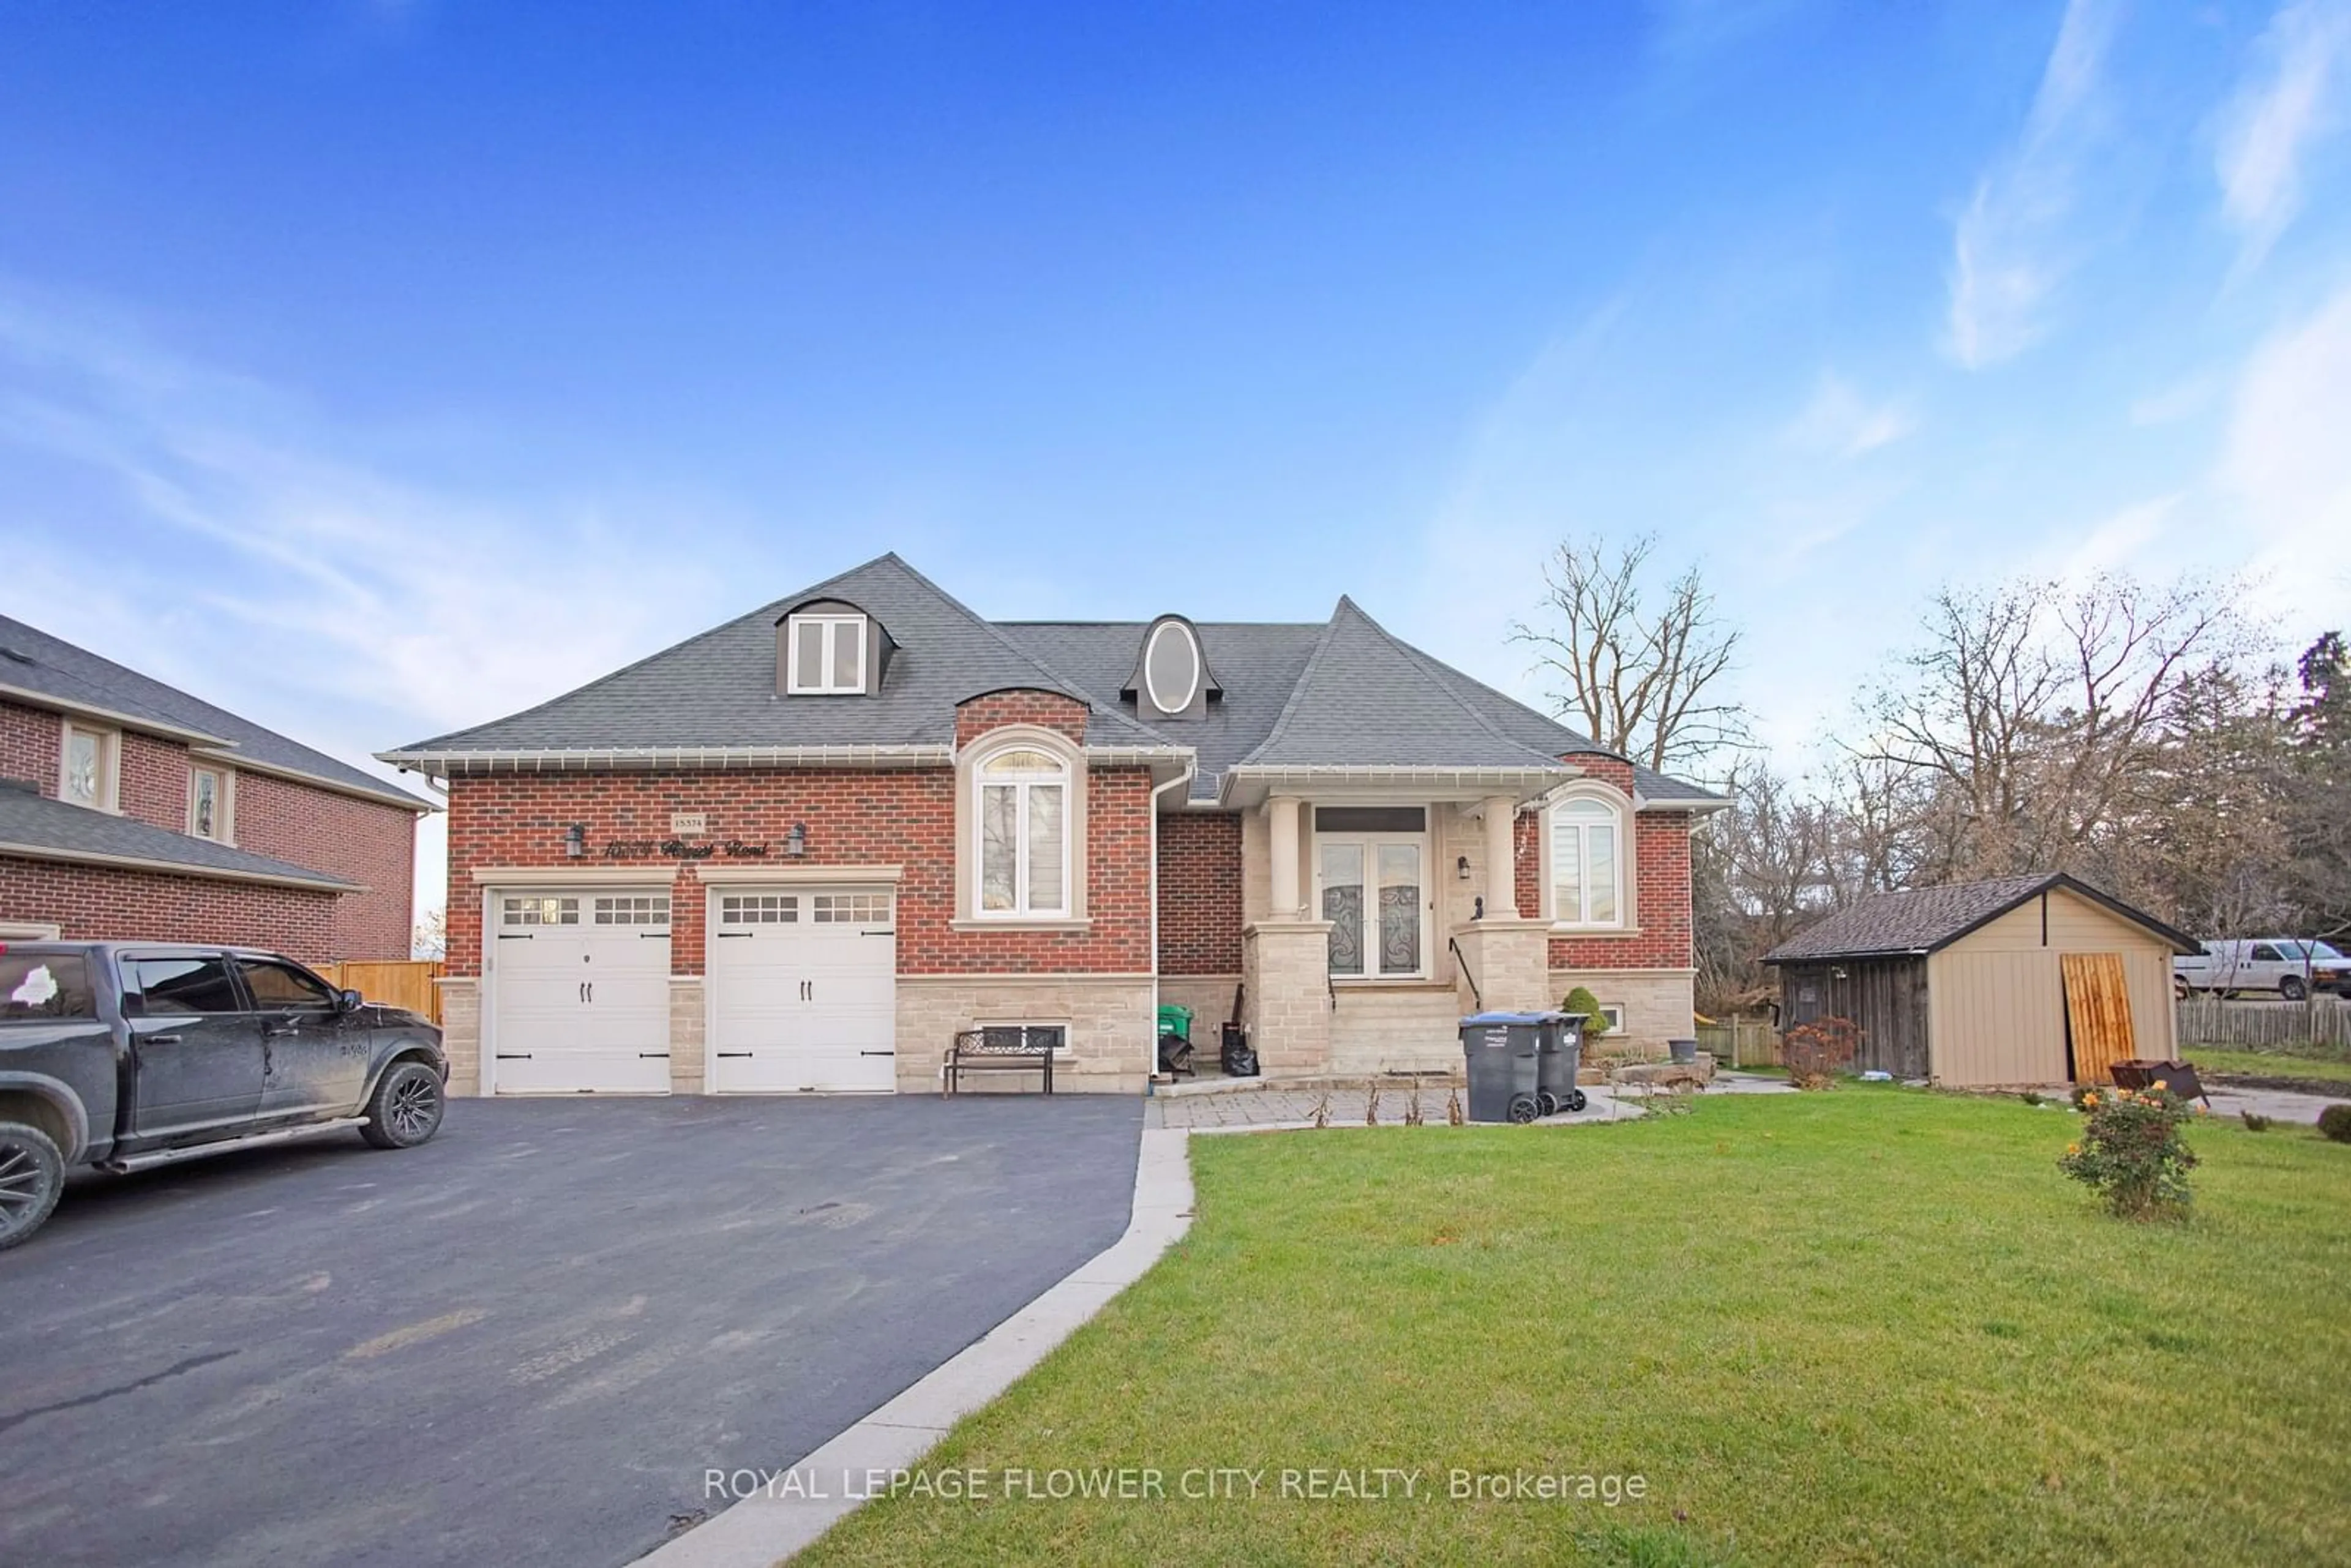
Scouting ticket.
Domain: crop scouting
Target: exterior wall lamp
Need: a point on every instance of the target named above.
(575, 841)
(1461, 867)
(796, 841)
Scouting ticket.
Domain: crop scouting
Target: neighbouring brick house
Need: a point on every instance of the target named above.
(130, 809)
(804, 849)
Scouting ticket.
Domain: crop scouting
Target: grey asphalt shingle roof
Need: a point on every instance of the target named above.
(1337, 693)
(32, 660)
(52, 829)
(718, 689)
(1923, 919)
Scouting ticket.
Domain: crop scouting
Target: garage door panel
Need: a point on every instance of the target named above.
(803, 991)
(581, 993)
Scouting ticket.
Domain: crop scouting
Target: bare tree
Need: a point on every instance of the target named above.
(2033, 717)
(1641, 676)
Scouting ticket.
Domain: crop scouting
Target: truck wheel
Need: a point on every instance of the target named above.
(2291, 990)
(405, 1108)
(32, 1174)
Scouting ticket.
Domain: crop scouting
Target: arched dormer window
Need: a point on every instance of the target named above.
(827, 654)
(1023, 819)
(1588, 860)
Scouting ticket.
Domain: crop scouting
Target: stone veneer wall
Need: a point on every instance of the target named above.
(1110, 1019)
(1659, 1004)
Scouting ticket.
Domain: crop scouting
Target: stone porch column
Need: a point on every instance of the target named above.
(1285, 969)
(1281, 825)
(1501, 859)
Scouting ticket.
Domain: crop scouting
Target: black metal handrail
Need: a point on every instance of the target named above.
(1463, 959)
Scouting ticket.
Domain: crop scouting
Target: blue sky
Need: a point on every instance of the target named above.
(380, 368)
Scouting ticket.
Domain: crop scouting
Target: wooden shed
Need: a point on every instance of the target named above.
(2020, 981)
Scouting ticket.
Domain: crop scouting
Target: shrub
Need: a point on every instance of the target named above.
(2334, 1122)
(2131, 1151)
(1815, 1052)
(1582, 1004)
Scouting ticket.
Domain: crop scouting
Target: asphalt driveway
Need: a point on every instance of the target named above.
(526, 1341)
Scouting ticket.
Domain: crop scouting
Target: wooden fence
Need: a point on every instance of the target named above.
(405, 984)
(2264, 1026)
(1740, 1042)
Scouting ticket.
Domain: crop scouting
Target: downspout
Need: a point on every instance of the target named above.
(1191, 770)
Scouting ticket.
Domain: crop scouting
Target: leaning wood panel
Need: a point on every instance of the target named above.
(2097, 1006)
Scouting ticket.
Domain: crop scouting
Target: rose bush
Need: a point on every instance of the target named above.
(2132, 1151)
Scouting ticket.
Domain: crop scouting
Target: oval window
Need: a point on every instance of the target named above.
(1171, 667)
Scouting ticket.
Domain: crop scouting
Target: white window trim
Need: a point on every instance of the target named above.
(1626, 919)
(110, 765)
(1023, 903)
(1192, 687)
(1370, 844)
(796, 682)
(223, 810)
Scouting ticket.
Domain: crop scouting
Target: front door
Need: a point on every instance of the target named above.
(1373, 894)
(314, 1055)
(196, 1051)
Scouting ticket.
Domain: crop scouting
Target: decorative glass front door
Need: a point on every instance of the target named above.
(1375, 929)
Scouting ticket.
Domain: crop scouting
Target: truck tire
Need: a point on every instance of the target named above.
(405, 1109)
(2291, 990)
(32, 1174)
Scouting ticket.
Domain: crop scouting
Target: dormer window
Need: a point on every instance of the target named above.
(828, 655)
(1171, 667)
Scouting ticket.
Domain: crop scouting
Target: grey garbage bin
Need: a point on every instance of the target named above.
(1500, 1051)
(1558, 1055)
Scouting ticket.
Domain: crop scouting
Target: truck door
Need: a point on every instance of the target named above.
(196, 1052)
(314, 1056)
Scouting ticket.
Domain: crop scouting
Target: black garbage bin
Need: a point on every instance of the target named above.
(1500, 1051)
(1559, 1054)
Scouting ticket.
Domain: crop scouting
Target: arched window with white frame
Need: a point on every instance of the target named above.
(1024, 833)
(1588, 855)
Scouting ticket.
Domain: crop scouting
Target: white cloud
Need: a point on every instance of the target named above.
(2122, 542)
(1839, 422)
(2287, 466)
(341, 605)
(2009, 247)
(2289, 102)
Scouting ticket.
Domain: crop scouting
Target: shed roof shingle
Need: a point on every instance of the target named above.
(1923, 919)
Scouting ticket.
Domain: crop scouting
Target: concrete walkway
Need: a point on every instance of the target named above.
(2280, 1104)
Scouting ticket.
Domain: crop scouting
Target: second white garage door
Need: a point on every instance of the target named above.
(803, 990)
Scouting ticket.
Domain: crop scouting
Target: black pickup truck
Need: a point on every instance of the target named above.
(123, 1055)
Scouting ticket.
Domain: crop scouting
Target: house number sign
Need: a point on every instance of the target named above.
(680, 849)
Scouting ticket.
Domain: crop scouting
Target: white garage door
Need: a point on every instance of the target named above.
(581, 987)
(803, 990)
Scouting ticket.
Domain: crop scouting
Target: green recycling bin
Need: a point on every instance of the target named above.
(1176, 1018)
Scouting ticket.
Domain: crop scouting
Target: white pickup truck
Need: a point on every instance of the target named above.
(2290, 966)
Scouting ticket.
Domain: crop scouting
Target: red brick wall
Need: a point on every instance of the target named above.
(1660, 894)
(1049, 710)
(1200, 893)
(154, 781)
(360, 840)
(28, 747)
(101, 902)
(901, 818)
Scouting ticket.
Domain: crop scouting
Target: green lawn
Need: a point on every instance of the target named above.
(2268, 1064)
(1873, 1326)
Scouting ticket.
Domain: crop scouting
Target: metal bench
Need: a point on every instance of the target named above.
(1005, 1048)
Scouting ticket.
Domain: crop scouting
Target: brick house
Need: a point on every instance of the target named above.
(804, 849)
(132, 810)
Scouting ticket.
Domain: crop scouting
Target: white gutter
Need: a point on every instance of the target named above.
(56, 704)
(563, 759)
(389, 795)
(1183, 780)
(176, 868)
